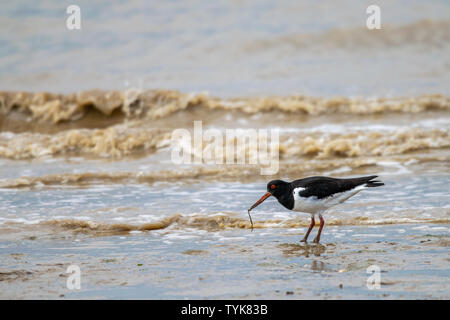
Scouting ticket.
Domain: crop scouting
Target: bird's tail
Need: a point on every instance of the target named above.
(369, 182)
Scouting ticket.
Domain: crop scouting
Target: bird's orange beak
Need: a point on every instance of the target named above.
(257, 203)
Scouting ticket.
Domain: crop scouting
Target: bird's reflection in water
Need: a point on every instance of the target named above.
(294, 249)
(318, 266)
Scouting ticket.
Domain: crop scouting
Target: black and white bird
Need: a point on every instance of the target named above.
(314, 195)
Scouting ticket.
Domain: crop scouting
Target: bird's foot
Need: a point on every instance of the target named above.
(316, 240)
(304, 240)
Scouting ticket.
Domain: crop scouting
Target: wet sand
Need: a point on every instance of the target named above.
(233, 264)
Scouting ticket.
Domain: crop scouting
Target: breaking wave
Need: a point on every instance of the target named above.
(119, 141)
(156, 104)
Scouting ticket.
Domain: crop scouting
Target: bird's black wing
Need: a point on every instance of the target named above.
(323, 187)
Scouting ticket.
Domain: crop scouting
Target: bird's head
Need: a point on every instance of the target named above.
(276, 188)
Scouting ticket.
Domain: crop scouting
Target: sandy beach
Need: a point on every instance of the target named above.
(234, 264)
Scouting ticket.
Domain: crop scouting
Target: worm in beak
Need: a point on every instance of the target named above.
(257, 203)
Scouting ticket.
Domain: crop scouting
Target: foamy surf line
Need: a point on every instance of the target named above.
(178, 223)
(121, 141)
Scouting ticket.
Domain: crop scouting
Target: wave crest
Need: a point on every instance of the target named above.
(156, 104)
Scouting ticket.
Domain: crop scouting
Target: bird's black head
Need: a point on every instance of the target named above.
(277, 188)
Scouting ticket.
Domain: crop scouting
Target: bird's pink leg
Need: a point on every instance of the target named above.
(313, 223)
(322, 222)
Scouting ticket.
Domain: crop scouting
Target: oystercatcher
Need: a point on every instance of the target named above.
(314, 195)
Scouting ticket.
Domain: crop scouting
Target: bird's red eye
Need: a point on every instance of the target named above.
(272, 187)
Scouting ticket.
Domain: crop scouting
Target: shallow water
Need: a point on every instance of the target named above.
(214, 205)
